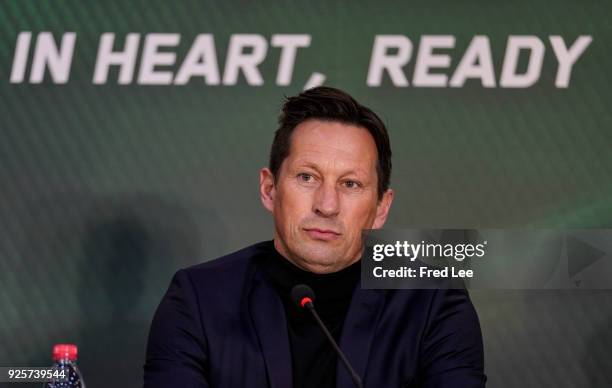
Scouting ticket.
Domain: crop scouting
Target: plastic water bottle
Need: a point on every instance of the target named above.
(64, 358)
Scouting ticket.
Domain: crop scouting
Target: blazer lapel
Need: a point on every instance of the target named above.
(268, 315)
(358, 332)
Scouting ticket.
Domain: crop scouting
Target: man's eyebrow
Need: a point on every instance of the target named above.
(362, 174)
(304, 163)
(357, 174)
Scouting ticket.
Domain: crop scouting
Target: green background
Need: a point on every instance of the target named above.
(107, 190)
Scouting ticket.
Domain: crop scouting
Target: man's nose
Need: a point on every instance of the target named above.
(326, 201)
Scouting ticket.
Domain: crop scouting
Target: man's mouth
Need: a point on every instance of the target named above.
(322, 234)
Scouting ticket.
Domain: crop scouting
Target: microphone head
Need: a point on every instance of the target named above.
(302, 295)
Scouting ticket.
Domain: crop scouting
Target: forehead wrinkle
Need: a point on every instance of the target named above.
(345, 167)
(346, 149)
(336, 147)
(340, 137)
(322, 148)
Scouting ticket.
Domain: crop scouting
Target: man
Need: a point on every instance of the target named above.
(231, 322)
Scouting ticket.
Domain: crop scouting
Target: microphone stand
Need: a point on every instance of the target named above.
(354, 376)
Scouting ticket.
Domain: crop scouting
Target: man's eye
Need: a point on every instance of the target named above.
(351, 184)
(303, 177)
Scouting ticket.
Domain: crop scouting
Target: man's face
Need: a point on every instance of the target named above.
(325, 194)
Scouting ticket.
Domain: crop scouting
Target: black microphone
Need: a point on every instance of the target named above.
(303, 296)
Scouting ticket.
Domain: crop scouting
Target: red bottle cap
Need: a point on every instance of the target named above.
(65, 351)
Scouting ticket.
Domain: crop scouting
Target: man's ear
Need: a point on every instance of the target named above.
(267, 190)
(382, 209)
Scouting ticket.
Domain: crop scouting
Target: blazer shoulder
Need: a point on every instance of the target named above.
(226, 269)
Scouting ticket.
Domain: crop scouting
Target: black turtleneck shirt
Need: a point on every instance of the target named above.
(313, 358)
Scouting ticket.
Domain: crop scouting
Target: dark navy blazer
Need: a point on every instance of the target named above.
(221, 324)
